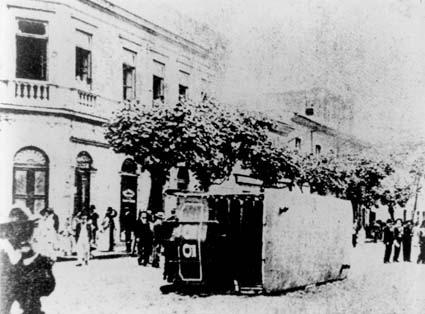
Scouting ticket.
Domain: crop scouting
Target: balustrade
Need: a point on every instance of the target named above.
(32, 90)
(86, 99)
(40, 94)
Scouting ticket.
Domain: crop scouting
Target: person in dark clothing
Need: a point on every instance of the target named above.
(93, 218)
(407, 240)
(145, 238)
(398, 237)
(109, 223)
(26, 276)
(421, 238)
(127, 221)
(388, 240)
(157, 239)
(34, 279)
(170, 252)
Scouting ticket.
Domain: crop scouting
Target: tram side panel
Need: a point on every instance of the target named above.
(306, 239)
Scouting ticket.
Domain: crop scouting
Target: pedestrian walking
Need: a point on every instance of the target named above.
(26, 275)
(388, 240)
(398, 237)
(407, 240)
(144, 238)
(421, 240)
(109, 224)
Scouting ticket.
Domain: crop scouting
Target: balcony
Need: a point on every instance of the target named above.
(44, 96)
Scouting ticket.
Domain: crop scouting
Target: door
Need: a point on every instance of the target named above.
(82, 188)
(128, 196)
(250, 242)
(83, 172)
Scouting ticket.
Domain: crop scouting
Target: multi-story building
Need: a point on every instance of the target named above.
(66, 66)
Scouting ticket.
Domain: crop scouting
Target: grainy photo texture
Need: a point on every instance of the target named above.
(214, 156)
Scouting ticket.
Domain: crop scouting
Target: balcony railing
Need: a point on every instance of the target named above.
(86, 99)
(31, 90)
(41, 94)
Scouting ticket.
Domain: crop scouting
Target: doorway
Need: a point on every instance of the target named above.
(82, 181)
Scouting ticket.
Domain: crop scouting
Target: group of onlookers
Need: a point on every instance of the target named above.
(143, 237)
(397, 236)
(80, 234)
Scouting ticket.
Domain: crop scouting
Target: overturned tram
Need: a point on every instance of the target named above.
(269, 242)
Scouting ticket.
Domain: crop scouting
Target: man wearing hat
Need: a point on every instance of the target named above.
(157, 238)
(25, 274)
(388, 240)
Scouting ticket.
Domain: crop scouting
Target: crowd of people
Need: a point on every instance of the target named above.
(84, 232)
(398, 237)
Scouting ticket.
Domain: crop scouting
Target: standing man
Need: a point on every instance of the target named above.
(127, 226)
(407, 240)
(157, 238)
(388, 240)
(398, 237)
(144, 235)
(93, 218)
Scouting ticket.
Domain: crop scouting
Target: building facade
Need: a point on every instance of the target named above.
(66, 66)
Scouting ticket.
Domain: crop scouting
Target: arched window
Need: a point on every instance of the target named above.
(31, 178)
(183, 178)
(82, 181)
(129, 166)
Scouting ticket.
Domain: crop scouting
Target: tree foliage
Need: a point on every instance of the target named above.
(209, 139)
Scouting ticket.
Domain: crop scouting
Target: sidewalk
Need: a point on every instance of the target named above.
(119, 251)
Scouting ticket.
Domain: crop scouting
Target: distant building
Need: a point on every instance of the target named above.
(66, 66)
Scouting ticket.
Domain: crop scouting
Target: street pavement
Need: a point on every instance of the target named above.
(119, 285)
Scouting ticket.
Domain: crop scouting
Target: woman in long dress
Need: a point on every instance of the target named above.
(109, 224)
(45, 236)
(83, 243)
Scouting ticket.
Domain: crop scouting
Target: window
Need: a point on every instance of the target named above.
(204, 93)
(297, 143)
(183, 84)
(318, 149)
(83, 65)
(158, 87)
(30, 179)
(182, 91)
(129, 75)
(183, 178)
(83, 58)
(31, 50)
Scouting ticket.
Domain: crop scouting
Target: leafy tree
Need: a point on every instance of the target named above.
(352, 177)
(205, 136)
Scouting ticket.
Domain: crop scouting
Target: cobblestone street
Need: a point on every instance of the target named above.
(121, 286)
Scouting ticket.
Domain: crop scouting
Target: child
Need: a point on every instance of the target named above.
(26, 275)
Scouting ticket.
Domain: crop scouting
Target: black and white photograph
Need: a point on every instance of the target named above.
(212, 156)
